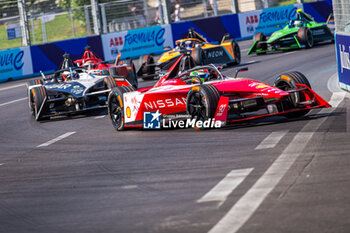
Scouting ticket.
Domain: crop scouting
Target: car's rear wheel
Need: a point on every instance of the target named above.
(286, 82)
(202, 102)
(197, 55)
(236, 53)
(116, 106)
(37, 102)
(260, 37)
(147, 68)
(305, 37)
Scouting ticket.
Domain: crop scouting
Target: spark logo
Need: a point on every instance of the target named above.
(151, 120)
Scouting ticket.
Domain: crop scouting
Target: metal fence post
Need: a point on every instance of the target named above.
(95, 17)
(265, 4)
(72, 21)
(234, 6)
(145, 10)
(23, 22)
(161, 12)
(87, 20)
(43, 26)
(104, 19)
(166, 11)
(33, 28)
(205, 8)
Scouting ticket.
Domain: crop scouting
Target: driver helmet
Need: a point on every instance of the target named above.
(188, 44)
(202, 75)
(66, 75)
(89, 65)
(298, 23)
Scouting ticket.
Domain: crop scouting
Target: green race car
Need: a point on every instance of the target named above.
(302, 32)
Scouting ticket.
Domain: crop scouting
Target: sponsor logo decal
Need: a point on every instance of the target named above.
(59, 86)
(344, 58)
(215, 54)
(144, 37)
(317, 32)
(261, 86)
(11, 61)
(128, 112)
(222, 108)
(165, 103)
(278, 15)
(252, 19)
(151, 120)
(77, 89)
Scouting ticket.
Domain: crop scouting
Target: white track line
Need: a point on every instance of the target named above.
(129, 187)
(99, 117)
(272, 140)
(239, 214)
(11, 87)
(226, 186)
(13, 101)
(56, 139)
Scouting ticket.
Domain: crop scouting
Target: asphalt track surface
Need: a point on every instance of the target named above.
(77, 174)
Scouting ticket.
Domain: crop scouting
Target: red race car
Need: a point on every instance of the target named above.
(201, 94)
(95, 65)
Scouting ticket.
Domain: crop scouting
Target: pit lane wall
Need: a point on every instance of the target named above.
(29, 61)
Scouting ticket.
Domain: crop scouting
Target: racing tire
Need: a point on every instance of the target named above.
(202, 102)
(260, 37)
(305, 37)
(37, 102)
(197, 55)
(35, 82)
(236, 52)
(287, 82)
(145, 69)
(116, 106)
(110, 82)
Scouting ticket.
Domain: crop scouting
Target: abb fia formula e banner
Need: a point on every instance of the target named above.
(15, 63)
(266, 20)
(134, 43)
(342, 46)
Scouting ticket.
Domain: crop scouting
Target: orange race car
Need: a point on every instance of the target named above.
(225, 52)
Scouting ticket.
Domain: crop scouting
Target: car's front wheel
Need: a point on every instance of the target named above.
(116, 106)
(286, 82)
(305, 37)
(202, 102)
(37, 102)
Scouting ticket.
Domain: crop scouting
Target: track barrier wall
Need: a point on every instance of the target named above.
(342, 46)
(138, 42)
(29, 61)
